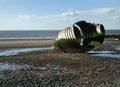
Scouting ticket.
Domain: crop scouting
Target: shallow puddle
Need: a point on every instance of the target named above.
(15, 67)
(16, 51)
(12, 66)
(104, 54)
(117, 48)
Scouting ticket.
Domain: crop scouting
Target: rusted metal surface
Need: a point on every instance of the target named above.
(80, 37)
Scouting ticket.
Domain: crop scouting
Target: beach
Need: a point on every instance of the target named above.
(20, 43)
(51, 68)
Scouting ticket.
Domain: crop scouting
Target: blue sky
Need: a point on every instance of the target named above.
(57, 14)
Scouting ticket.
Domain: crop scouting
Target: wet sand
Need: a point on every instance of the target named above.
(20, 43)
(61, 69)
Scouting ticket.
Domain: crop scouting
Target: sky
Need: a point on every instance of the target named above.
(57, 14)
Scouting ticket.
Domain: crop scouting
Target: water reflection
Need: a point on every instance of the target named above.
(104, 54)
(15, 67)
(117, 48)
(11, 66)
(16, 51)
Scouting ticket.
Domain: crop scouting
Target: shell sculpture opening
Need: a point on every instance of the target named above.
(80, 37)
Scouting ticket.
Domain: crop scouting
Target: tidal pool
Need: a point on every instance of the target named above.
(16, 51)
(117, 48)
(104, 53)
(14, 66)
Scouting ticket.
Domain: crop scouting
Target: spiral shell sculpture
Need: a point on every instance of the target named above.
(80, 37)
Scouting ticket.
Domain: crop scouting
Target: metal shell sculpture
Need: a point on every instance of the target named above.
(80, 37)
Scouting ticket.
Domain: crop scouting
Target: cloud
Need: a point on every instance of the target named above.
(73, 15)
(33, 17)
(107, 16)
(97, 11)
(113, 19)
(106, 10)
(25, 16)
